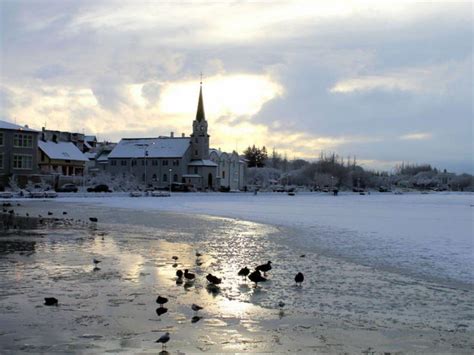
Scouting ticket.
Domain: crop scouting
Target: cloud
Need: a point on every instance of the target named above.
(349, 76)
(416, 136)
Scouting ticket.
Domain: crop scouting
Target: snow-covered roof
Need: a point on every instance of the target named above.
(161, 147)
(103, 156)
(61, 151)
(204, 162)
(12, 126)
(90, 155)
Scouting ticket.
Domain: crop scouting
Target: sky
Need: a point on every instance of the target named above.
(385, 81)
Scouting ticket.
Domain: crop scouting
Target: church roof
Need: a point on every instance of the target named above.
(200, 116)
(160, 147)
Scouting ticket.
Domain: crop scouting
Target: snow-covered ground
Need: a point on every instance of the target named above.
(429, 236)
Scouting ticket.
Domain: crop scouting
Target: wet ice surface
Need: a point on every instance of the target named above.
(342, 306)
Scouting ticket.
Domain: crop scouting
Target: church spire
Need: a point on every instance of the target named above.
(200, 116)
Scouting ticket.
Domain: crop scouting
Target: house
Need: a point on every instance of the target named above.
(61, 158)
(18, 153)
(230, 169)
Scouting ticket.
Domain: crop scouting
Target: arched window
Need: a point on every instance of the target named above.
(165, 178)
(175, 178)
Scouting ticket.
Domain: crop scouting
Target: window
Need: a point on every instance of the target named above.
(154, 178)
(1, 161)
(165, 178)
(195, 152)
(165, 162)
(22, 161)
(1, 139)
(144, 162)
(134, 162)
(195, 170)
(223, 174)
(113, 162)
(175, 178)
(175, 162)
(143, 177)
(123, 162)
(23, 140)
(154, 162)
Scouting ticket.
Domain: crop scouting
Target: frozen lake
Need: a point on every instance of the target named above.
(428, 236)
(346, 304)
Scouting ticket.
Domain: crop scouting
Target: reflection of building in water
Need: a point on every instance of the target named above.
(161, 161)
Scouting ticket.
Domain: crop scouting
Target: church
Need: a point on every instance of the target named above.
(161, 161)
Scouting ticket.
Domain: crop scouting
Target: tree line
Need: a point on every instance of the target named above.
(334, 171)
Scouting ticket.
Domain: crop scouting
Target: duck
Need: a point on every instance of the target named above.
(164, 339)
(264, 267)
(161, 300)
(50, 301)
(299, 278)
(213, 279)
(189, 276)
(256, 277)
(244, 272)
(196, 308)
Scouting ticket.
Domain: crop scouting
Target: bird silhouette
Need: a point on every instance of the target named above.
(213, 279)
(244, 272)
(189, 276)
(164, 339)
(299, 278)
(50, 213)
(161, 300)
(93, 219)
(50, 301)
(196, 308)
(174, 257)
(264, 267)
(179, 274)
(256, 277)
(96, 261)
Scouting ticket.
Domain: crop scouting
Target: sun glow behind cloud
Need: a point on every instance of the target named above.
(238, 94)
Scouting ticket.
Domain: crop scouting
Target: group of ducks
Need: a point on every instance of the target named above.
(255, 276)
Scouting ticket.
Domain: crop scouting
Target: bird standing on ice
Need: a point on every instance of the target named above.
(164, 339)
(264, 267)
(299, 278)
(196, 308)
(189, 276)
(256, 277)
(161, 300)
(244, 272)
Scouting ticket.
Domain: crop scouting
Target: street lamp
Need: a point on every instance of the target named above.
(170, 170)
(146, 154)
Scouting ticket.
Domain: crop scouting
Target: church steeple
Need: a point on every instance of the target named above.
(200, 116)
(199, 137)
